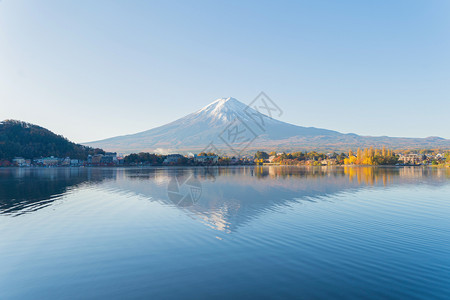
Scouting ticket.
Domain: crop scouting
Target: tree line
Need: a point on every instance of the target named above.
(367, 156)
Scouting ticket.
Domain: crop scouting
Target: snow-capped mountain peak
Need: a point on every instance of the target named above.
(220, 121)
(220, 102)
(224, 109)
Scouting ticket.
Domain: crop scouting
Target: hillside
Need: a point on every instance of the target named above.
(197, 130)
(26, 140)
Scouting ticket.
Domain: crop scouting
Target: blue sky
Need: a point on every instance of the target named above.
(94, 69)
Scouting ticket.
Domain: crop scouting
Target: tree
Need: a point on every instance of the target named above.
(359, 156)
(261, 155)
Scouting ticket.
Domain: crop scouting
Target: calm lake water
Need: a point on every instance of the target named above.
(238, 232)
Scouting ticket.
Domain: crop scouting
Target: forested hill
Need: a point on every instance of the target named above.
(21, 139)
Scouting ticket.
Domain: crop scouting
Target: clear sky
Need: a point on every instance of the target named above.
(95, 69)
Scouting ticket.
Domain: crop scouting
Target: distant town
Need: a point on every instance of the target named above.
(368, 156)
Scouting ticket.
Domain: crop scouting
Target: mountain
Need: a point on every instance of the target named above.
(230, 127)
(27, 140)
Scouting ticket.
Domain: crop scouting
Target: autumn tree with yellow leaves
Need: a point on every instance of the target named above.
(371, 156)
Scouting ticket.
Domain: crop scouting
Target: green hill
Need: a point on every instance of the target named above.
(26, 140)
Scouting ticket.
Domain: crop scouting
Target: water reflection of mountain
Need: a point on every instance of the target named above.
(230, 197)
(29, 189)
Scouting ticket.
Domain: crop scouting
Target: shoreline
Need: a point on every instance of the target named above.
(210, 166)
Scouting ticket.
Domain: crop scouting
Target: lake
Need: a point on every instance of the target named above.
(225, 232)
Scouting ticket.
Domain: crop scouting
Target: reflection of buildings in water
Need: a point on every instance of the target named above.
(146, 174)
(420, 172)
(164, 174)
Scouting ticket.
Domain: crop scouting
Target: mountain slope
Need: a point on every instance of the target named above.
(215, 123)
(31, 141)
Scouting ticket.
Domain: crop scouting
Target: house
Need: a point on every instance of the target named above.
(50, 161)
(65, 161)
(173, 159)
(110, 158)
(96, 159)
(206, 159)
(412, 158)
(19, 161)
(328, 162)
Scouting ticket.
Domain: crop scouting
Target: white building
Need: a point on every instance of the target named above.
(19, 161)
(50, 161)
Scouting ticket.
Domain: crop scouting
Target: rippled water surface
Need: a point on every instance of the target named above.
(238, 232)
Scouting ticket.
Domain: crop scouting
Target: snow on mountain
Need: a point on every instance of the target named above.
(233, 127)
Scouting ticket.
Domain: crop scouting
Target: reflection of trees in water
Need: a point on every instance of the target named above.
(295, 171)
(371, 176)
(230, 195)
(365, 175)
(29, 189)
